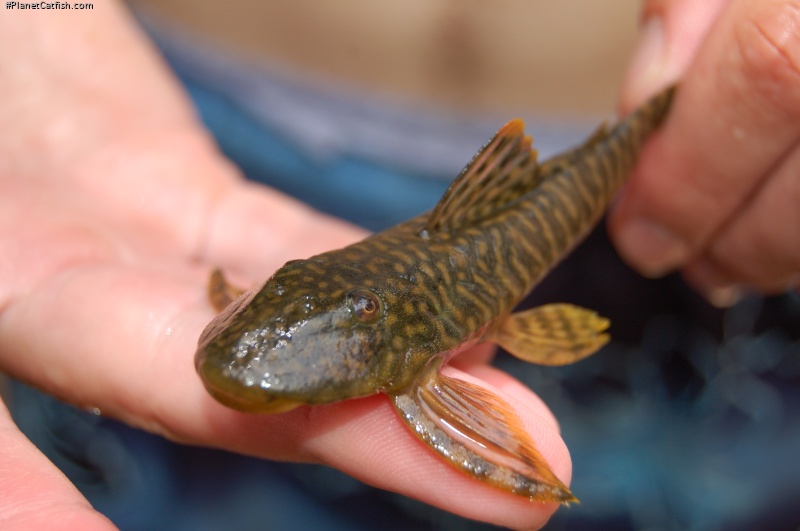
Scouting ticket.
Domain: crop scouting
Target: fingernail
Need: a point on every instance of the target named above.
(724, 297)
(652, 248)
(647, 72)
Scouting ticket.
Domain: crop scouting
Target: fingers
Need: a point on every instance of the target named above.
(760, 246)
(716, 190)
(408, 464)
(366, 439)
(34, 494)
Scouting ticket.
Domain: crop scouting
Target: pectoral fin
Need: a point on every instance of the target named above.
(480, 434)
(220, 292)
(554, 334)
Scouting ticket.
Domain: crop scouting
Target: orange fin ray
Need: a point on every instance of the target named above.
(480, 434)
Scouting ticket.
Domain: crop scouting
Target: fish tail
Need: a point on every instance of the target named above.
(620, 149)
(578, 185)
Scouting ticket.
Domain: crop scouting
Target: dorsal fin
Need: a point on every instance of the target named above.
(501, 171)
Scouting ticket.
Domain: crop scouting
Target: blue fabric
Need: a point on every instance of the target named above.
(362, 191)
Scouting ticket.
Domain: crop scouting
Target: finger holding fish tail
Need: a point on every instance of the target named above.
(716, 192)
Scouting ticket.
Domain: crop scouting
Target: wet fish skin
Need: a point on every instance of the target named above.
(371, 317)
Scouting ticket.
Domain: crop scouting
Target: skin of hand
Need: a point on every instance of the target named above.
(717, 191)
(114, 206)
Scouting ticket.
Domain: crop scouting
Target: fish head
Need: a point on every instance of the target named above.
(313, 333)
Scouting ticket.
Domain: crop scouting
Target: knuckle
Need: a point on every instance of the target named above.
(768, 44)
(765, 259)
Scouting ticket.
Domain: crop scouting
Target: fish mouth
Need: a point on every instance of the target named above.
(264, 404)
(234, 395)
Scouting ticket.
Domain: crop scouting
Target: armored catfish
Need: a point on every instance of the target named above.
(383, 315)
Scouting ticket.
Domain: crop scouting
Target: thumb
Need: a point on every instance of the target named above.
(34, 494)
(671, 32)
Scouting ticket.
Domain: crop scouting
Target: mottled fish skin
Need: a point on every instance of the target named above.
(370, 317)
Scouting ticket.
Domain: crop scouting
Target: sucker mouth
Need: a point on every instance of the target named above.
(264, 404)
(235, 396)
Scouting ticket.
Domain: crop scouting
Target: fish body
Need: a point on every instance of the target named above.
(383, 315)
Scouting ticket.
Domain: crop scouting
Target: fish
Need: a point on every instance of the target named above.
(385, 314)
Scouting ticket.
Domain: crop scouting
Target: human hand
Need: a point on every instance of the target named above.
(34, 494)
(717, 189)
(114, 207)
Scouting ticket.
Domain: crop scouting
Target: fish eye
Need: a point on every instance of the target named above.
(366, 306)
